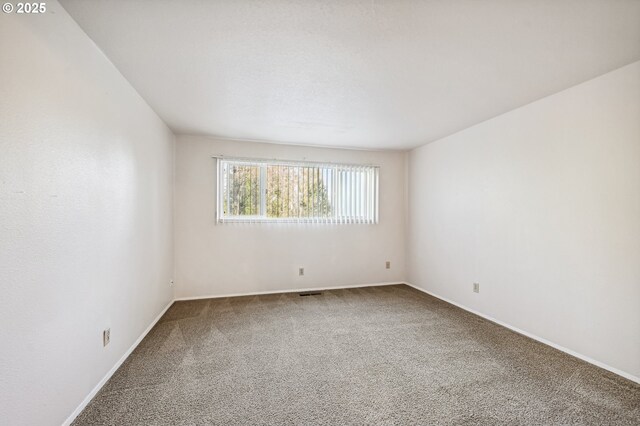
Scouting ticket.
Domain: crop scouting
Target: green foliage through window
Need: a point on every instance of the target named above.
(303, 192)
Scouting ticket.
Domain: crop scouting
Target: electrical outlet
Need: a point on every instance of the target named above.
(301, 271)
(387, 264)
(476, 287)
(106, 337)
(171, 283)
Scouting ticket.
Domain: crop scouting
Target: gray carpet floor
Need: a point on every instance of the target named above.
(376, 355)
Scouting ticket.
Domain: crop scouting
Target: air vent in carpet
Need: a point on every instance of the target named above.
(316, 293)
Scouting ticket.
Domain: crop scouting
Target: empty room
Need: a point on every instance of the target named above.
(320, 212)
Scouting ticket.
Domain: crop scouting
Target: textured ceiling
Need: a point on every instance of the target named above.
(367, 74)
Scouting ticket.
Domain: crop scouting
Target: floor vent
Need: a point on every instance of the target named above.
(315, 293)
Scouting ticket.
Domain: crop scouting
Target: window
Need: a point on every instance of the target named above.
(282, 191)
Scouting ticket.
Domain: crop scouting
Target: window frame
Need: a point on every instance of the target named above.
(265, 163)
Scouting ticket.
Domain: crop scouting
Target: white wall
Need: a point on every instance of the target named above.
(541, 206)
(85, 216)
(219, 259)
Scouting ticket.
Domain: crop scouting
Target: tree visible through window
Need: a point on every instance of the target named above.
(305, 192)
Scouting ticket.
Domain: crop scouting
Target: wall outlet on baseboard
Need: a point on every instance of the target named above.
(387, 264)
(476, 287)
(301, 271)
(106, 336)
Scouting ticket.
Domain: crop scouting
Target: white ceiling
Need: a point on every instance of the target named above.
(351, 73)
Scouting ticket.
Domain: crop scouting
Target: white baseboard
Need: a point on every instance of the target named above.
(97, 388)
(534, 337)
(299, 290)
(107, 376)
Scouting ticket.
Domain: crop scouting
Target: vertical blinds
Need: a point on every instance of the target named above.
(282, 191)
